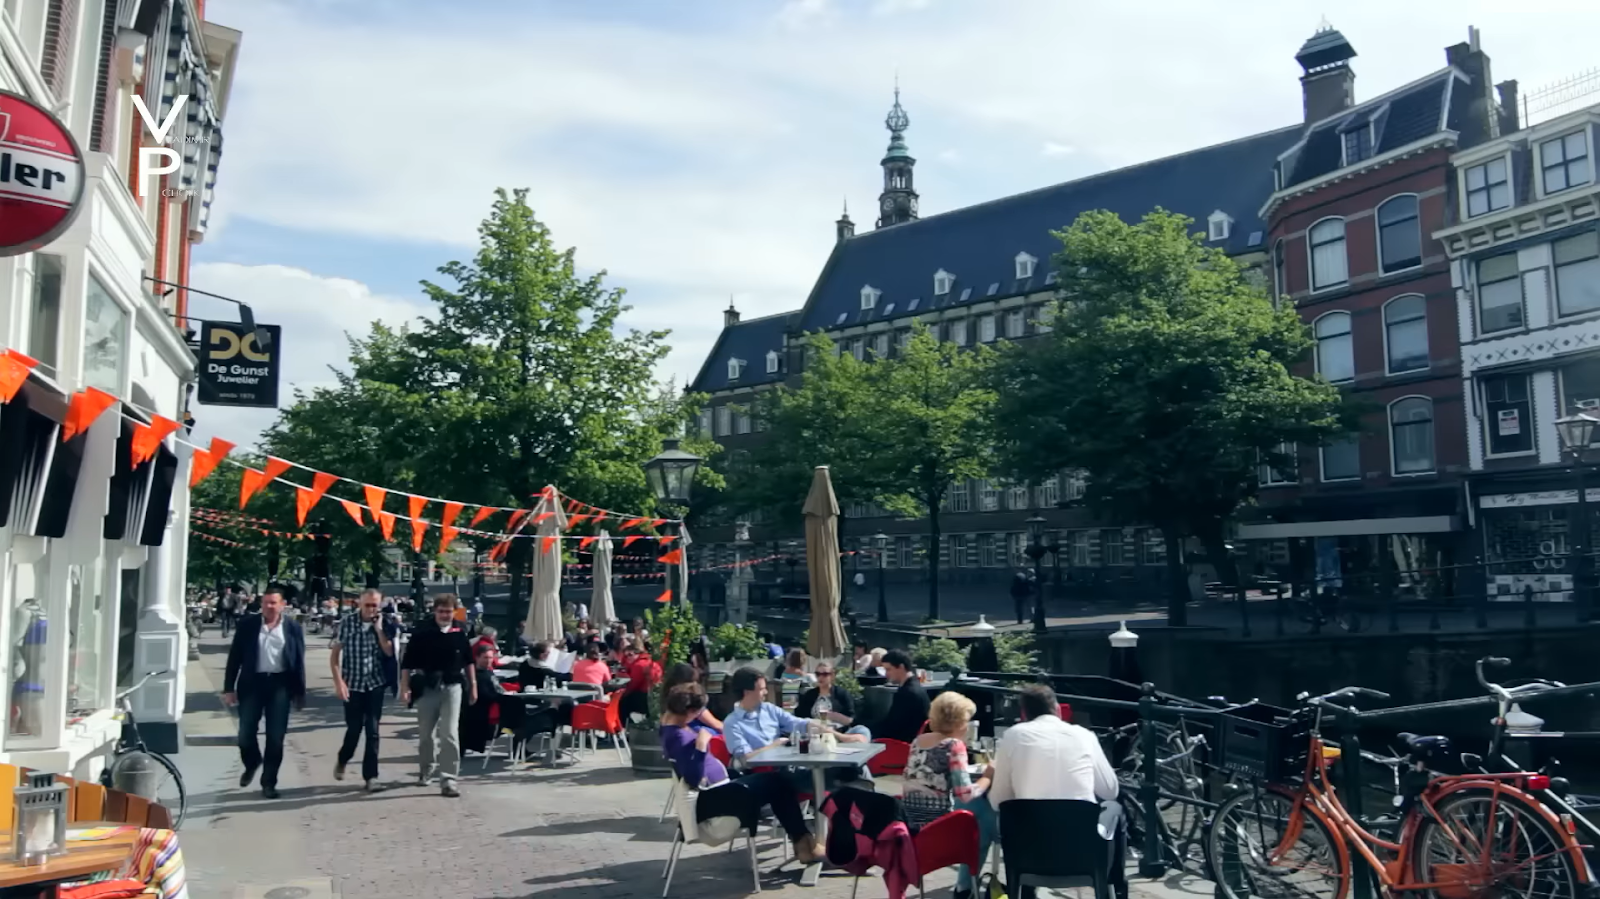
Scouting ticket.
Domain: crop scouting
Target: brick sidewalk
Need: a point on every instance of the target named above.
(591, 830)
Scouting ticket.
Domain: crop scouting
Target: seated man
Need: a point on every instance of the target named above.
(909, 710)
(755, 725)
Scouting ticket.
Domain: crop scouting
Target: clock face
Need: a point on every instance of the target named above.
(913, 205)
(888, 204)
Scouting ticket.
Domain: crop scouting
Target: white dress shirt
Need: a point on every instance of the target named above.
(269, 645)
(1047, 758)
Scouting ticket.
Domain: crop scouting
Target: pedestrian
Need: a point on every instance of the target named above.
(435, 675)
(266, 672)
(229, 611)
(360, 646)
(1020, 591)
(475, 617)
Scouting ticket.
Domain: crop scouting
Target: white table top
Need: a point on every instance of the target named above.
(574, 695)
(854, 754)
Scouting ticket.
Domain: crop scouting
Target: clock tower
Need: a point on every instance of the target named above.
(898, 202)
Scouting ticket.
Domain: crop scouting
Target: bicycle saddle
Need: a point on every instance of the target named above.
(1426, 748)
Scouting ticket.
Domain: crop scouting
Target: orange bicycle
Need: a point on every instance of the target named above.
(1471, 836)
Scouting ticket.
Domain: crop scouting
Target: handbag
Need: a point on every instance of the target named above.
(990, 887)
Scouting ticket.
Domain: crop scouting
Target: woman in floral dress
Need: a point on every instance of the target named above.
(938, 780)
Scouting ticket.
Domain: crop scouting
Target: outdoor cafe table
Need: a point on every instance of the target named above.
(82, 859)
(847, 755)
(556, 695)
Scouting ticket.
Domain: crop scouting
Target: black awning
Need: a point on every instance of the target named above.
(158, 502)
(1400, 502)
(29, 425)
(130, 488)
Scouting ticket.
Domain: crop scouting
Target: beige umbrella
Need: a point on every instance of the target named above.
(544, 594)
(601, 610)
(822, 565)
(683, 560)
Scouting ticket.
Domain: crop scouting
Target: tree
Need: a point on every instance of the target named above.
(1167, 379)
(212, 562)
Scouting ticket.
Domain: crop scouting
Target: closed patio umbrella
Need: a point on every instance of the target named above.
(822, 565)
(601, 609)
(544, 594)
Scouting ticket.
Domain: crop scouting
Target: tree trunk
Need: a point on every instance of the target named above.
(933, 560)
(1177, 578)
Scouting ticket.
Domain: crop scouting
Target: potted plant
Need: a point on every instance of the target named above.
(675, 629)
(733, 646)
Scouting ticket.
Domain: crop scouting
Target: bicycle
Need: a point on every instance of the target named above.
(1471, 836)
(131, 751)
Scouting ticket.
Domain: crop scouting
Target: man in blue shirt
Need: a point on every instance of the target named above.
(755, 724)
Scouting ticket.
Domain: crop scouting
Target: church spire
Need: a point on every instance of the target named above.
(844, 228)
(898, 202)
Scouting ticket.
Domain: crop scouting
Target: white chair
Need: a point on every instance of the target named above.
(672, 799)
(515, 754)
(713, 832)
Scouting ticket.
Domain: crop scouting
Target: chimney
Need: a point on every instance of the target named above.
(1510, 110)
(1483, 114)
(1328, 85)
(730, 315)
(844, 229)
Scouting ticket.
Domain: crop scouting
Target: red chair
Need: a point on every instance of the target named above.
(893, 758)
(596, 718)
(950, 839)
(719, 751)
(924, 727)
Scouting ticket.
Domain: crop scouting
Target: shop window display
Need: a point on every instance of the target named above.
(30, 628)
(86, 614)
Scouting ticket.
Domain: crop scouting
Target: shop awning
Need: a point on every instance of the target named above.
(1350, 527)
(38, 473)
(130, 488)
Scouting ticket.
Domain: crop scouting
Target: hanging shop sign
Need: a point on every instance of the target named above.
(234, 370)
(41, 176)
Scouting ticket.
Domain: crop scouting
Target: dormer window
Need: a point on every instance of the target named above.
(1025, 264)
(1358, 144)
(869, 297)
(1564, 161)
(1218, 226)
(942, 282)
(772, 362)
(735, 369)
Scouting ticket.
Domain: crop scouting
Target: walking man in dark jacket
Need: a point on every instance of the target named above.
(266, 672)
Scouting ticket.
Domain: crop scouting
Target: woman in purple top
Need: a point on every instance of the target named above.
(686, 747)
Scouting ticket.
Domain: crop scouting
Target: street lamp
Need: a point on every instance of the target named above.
(1036, 551)
(671, 475)
(881, 540)
(1576, 431)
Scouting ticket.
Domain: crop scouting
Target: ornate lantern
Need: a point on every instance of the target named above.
(41, 820)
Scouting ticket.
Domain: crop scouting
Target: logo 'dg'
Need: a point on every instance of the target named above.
(226, 345)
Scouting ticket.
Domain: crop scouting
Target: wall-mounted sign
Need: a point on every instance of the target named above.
(1510, 422)
(41, 176)
(234, 370)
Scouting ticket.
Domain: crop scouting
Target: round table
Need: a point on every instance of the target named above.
(846, 755)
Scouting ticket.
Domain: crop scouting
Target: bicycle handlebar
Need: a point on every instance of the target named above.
(1342, 693)
(142, 681)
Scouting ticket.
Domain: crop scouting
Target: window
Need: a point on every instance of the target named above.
(858, 348)
(1341, 460)
(958, 332)
(705, 423)
(735, 368)
(988, 551)
(1280, 277)
(1218, 225)
(1405, 330)
(1153, 548)
(907, 552)
(1411, 435)
(1015, 544)
(1329, 266)
(902, 338)
(772, 362)
(1041, 318)
(1081, 544)
(30, 594)
(1399, 235)
(1335, 353)
(880, 345)
(1580, 390)
(942, 282)
(1565, 161)
(993, 289)
(985, 329)
(869, 296)
(1017, 496)
(86, 617)
(1016, 323)
(1277, 472)
(988, 496)
(1508, 414)
(44, 327)
(1112, 550)
(1025, 264)
(1358, 144)
(1499, 294)
(1488, 187)
(741, 423)
(1052, 278)
(961, 496)
(1577, 260)
(724, 421)
(1047, 493)
(105, 339)
(1077, 484)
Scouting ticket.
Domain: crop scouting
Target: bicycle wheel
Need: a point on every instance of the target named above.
(1493, 844)
(1262, 847)
(170, 791)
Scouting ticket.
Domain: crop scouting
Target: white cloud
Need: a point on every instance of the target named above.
(951, 157)
(1051, 148)
(801, 14)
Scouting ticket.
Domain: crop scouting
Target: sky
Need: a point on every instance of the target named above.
(699, 151)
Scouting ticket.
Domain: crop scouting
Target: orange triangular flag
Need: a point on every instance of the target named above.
(320, 482)
(354, 510)
(482, 513)
(14, 368)
(572, 506)
(275, 467)
(516, 519)
(671, 558)
(249, 484)
(657, 522)
(374, 496)
(538, 519)
(386, 524)
(303, 501)
(87, 405)
(146, 437)
(451, 510)
(499, 551)
(632, 523)
(418, 529)
(667, 538)
(584, 543)
(549, 541)
(447, 535)
(597, 518)
(205, 461)
(415, 505)
(628, 541)
(666, 596)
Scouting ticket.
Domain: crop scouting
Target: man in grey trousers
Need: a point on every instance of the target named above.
(437, 675)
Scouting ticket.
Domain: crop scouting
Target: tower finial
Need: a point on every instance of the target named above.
(1324, 25)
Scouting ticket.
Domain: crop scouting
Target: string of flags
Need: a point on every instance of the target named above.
(214, 538)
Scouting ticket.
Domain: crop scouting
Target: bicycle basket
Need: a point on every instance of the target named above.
(1264, 742)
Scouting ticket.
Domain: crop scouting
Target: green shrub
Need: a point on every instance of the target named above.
(675, 629)
(736, 641)
(1016, 653)
(845, 676)
(938, 654)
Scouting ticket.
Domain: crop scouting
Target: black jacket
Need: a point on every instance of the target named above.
(843, 702)
(241, 675)
(906, 714)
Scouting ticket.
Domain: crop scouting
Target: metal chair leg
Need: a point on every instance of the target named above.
(755, 863)
(672, 800)
(855, 884)
(616, 741)
(672, 862)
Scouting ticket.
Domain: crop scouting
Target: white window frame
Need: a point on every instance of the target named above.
(858, 348)
(1047, 492)
(1344, 144)
(1482, 395)
(1516, 278)
(1539, 164)
(880, 345)
(1564, 406)
(1388, 361)
(1311, 253)
(1280, 272)
(741, 422)
(1025, 264)
(902, 339)
(988, 495)
(1075, 485)
(706, 423)
(1488, 187)
(1218, 226)
(942, 282)
(1267, 476)
(869, 297)
(1433, 423)
(1377, 235)
(987, 332)
(772, 362)
(1016, 323)
(1322, 462)
(1555, 273)
(724, 421)
(1017, 496)
(735, 368)
(1349, 335)
(958, 331)
(960, 494)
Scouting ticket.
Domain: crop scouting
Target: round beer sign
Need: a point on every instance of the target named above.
(41, 176)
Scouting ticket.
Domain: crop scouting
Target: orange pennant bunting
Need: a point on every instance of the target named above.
(353, 509)
(275, 467)
(584, 543)
(415, 505)
(146, 437)
(451, 512)
(672, 558)
(515, 520)
(386, 524)
(666, 596)
(303, 501)
(205, 461)
(657, 522)
(447, 534)
(418, 529)
(632, 523)
(482, 513)
(14, 368)
(249, 484)
(499, 552)
(628, 541)
(572, 506)
(549, 541)
(667, 538)
(87, 405)
(374, 496)
(320, 483)
(539, 519)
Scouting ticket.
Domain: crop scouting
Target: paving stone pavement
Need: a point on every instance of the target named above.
(591, 830)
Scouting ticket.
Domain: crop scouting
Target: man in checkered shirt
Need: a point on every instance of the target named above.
(359, 648)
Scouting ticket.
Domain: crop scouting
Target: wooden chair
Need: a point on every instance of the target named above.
(88, 802)
(10, 778)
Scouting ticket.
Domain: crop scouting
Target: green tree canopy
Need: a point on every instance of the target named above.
(1167, 378)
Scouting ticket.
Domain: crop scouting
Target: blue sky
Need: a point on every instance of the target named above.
(701, 149)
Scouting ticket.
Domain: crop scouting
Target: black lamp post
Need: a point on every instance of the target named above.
(671, 475)
(1036, 551)
(881, 540)
(1576, 432)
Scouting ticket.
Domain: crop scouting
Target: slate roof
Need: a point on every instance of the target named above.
(1400, 117)
(749, 340)
(979, 244)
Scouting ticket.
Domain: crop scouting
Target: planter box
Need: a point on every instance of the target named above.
(762, 665)
(648, 759)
